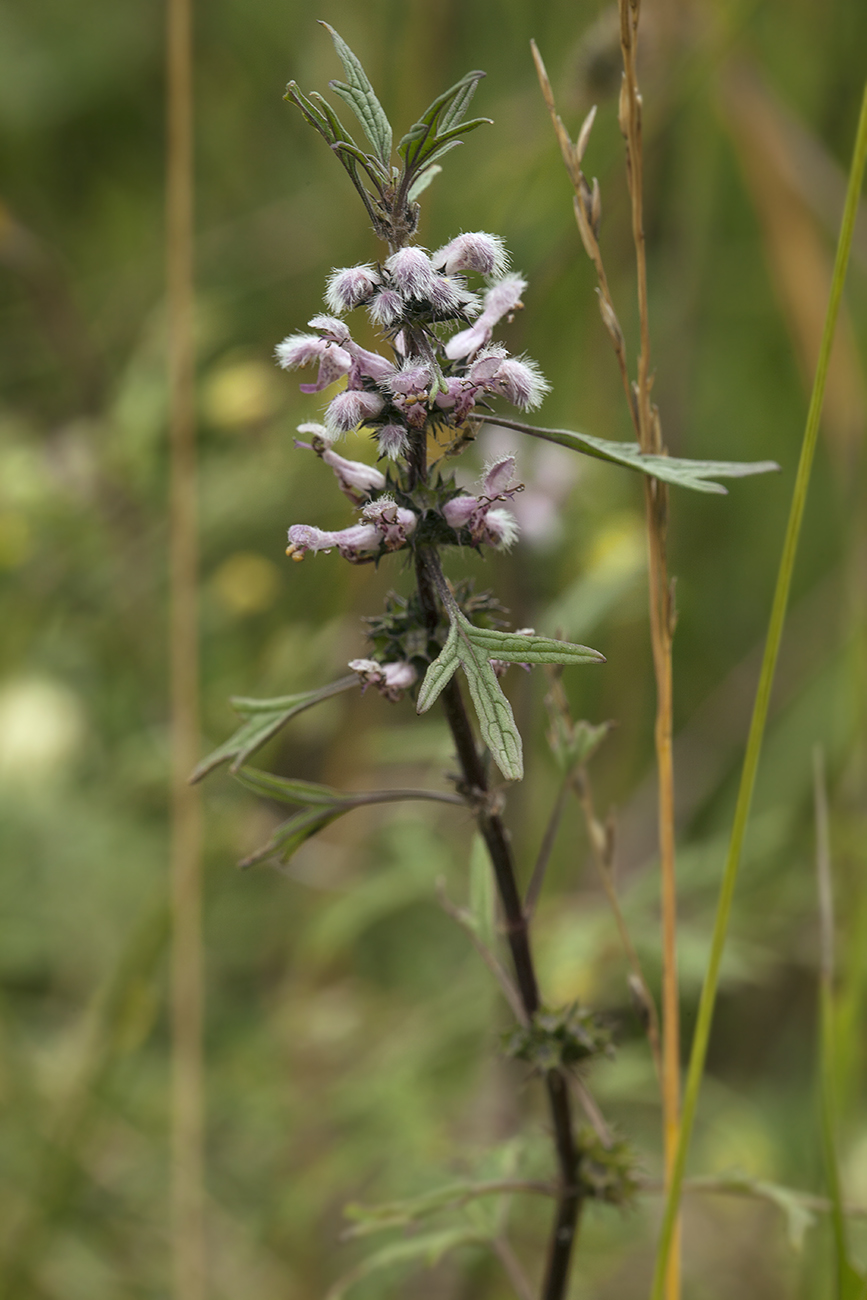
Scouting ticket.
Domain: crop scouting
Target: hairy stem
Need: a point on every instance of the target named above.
(475, 780)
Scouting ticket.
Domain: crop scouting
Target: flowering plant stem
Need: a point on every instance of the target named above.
(760, 708)
(429, 576)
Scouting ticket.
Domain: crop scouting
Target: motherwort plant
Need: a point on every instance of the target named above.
(423, 398)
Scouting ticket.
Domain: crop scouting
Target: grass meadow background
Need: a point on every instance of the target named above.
(352, 1034)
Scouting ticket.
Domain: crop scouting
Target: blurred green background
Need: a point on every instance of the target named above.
(352, 1034)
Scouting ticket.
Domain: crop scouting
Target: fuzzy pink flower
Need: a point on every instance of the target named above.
(393, 523)
(350, 407)
(474, 251)
(303, 349)
(355, 543)
(356, 479)
(350, 286)
(411, 272)
(393, 440)
(385, 308)
(477, 514)
(501, 298)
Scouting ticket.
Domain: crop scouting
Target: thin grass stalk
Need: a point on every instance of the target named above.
(661, 617)
(187, 1111)
(701, 1037)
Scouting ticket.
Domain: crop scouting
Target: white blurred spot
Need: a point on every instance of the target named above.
(42, 724)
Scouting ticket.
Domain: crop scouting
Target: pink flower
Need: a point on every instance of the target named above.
(385, 308)
(393, 440)
(474, 251)
(390, 679)
(410, 385)
(501, 298)
(411, 272)
(356, 479)
(393, 523)
(519, 380)
(350, 407)
(495, 527)
(302, 349)
(350, 286)
(355, 543)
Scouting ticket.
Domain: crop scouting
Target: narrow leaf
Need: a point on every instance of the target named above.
(313, 115)
(694, 474)
(286, 790)
(291, 834)
(422, 181)
(493, 710)
(440, 673)
(262, 720)
(521, 648)
(360, 96)
(441, 115)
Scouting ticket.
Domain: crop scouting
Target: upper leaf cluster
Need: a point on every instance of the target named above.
(388, 193)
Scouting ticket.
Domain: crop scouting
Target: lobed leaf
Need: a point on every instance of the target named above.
(440, 673)
(262, 720)
(360, 96)
(493, 710)
(474, 647)
(682, 472)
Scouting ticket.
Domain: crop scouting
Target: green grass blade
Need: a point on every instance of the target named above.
(760, 710)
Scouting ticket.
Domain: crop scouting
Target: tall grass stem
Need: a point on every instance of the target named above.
(187, 1110)
(760, 709)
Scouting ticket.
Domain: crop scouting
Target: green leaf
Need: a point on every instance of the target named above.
(440, 672)
(291, 834)
(474, 647)
(286, 790)
(360, 96)
(526, 648)
(443, 114)
(694, 474)
(262, 720)
(427, 1248)
(422, 181)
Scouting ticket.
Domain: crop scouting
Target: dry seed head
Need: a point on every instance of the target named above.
(623, 108)
(584, 135)
(610, 320)
(587, 237)
(595, 207)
